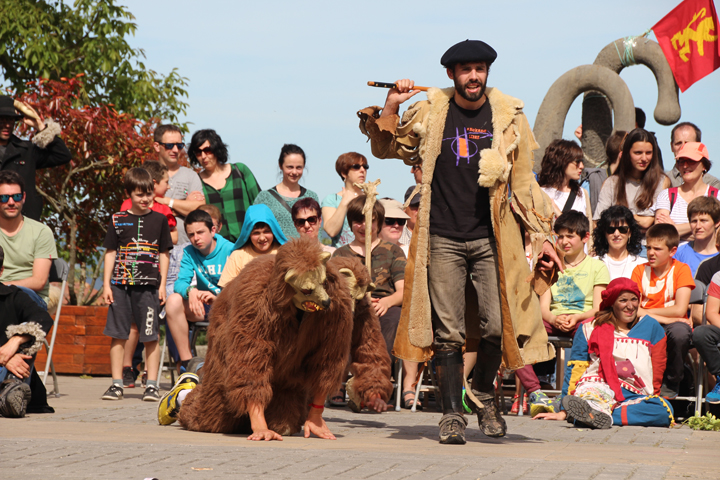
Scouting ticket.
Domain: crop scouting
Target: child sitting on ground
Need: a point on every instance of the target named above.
(159, 174)
(260, 235)
(136, 265)
(204, 259)
(573, 298)
(665, 285)
(612, 380)
(704, 216)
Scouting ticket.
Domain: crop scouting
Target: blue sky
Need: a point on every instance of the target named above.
(267, 73)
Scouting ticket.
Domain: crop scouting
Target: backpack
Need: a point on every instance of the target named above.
(673, 194)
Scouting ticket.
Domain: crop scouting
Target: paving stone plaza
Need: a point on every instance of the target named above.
(88, 438)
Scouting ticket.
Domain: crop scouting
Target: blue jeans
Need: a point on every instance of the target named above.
(35, 297)
(451, 262)
(4, 371)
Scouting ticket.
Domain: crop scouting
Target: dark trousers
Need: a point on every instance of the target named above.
(706, 339)
(388, 326)
(679, 338)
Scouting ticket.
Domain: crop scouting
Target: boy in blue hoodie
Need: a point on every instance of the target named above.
(205, 259)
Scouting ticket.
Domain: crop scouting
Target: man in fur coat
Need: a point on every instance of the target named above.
(24, 157)
(468, 228)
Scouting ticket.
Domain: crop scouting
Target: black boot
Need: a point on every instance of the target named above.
(449, 372)
(488, 363)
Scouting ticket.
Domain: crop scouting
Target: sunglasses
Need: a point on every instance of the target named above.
(170, 146)
(358, 166)
(17, 197)
(300, 222)
(624, 229)
(206, 151)
(392, 221)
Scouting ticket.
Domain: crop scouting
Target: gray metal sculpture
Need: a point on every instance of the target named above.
(554, 108)
(607, 100)
(596, 111)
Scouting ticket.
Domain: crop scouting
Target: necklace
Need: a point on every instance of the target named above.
(573, 265)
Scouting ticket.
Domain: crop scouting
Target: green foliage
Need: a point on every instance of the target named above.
(704, 422)
(52, 40)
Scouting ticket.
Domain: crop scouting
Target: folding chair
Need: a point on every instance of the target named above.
(196, 327)
(699, 297)
(59, 271)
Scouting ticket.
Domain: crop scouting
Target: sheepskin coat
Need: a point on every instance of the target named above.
(262, 350)
(45, 150)
(515, 199)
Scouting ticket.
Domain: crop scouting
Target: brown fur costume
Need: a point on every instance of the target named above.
(262, 349)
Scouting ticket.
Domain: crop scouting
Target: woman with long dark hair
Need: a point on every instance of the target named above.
(616, 240)
(638, 180)
(562, 167)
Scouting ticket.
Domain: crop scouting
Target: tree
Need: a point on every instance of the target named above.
(81, 196)
(49, 39)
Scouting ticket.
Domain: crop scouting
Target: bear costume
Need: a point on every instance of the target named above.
(282, 331)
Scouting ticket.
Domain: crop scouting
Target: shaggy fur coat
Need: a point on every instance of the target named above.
(515, 199)
(262, 349)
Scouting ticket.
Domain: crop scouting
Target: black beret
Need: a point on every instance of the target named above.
(468, 51)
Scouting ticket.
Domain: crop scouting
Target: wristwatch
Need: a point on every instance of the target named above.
(187, 292)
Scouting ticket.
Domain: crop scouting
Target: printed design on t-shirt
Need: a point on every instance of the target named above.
(668, 291)
(133, 254)
(463, 143)
(569, 295)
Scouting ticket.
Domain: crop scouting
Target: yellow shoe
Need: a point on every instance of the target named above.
(168, 408)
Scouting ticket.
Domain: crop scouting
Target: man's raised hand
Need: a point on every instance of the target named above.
(397, 96)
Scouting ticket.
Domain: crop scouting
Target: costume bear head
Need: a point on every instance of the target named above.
(301, 265)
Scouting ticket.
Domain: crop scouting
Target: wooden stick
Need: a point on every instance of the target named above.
(370, 191)
(392, 85)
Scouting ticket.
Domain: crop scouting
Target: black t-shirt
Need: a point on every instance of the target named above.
(707, 269)
(460, 208)
(138, 241)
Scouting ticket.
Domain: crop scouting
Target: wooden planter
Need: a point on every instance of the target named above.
(80, 346)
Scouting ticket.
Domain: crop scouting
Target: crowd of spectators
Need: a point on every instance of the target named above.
(629, 233)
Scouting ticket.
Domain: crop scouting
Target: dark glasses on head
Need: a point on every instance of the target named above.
(17, 197)
(624, 229)
(170, 146)
(357, 166)
(392, 221)
(300, 222)
(206, 151)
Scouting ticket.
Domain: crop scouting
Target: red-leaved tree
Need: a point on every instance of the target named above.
(80, 197)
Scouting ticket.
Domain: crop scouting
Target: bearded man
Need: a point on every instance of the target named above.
(469, 228)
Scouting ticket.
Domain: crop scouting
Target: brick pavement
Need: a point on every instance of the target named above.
(90, 438)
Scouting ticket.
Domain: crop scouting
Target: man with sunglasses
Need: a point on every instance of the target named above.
(29, 245)
(45, 150)
(477, 146)
(185, 193)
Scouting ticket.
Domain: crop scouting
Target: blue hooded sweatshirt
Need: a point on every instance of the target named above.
(259, 214)
(207, 269)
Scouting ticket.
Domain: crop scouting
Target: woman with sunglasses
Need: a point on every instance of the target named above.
(283, 196)
(671, 206)
(562, 167)
(395, 220)
(617, 241)
(307, 218)
(230, 187)
(352, 168)
(638, 180)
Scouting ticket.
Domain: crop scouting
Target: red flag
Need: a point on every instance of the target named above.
(688, 37)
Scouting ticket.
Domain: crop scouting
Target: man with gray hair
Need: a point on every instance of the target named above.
(681, 134)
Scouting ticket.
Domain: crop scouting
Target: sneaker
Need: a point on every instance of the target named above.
(515, 409)
(115, 392)
(713, 396)
(489, 418)
(128, 377)
(669, 392)
(540, 403)
(168, 408)
(14, 398)
(152, 394)
(452, 429)
(582, 412)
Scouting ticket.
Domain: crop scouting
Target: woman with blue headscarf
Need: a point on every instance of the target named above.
(261, 235)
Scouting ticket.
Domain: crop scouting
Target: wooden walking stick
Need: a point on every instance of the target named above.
(392, 85)
(370, 191)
